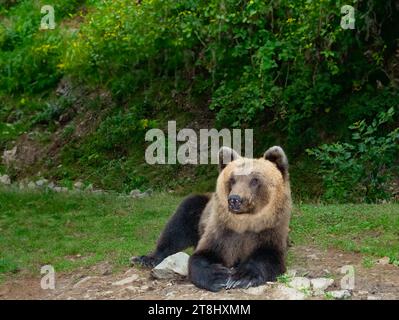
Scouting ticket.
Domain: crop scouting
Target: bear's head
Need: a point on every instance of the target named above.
(252, 189)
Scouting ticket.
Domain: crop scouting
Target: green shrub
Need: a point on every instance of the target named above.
(361, 169)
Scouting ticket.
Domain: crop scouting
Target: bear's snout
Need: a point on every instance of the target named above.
(235, 202)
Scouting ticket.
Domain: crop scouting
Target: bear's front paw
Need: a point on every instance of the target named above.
(213, 277)
(145, 261)
(244, 278)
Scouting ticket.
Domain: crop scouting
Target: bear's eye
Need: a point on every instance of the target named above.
(254, 182)
(232, 181)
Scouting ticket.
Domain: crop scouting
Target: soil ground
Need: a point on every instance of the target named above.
(381, 281)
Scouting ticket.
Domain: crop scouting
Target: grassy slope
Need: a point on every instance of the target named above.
(48, 228)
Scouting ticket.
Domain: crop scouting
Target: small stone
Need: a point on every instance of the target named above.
(256, 291)
(51, 185)
(171, 294)
(286, 293)
(300, 283)
(373, 297)
(135, 193)
(132, 288)
(383, 261)
(319, 285)
(362, 293)
(78, 185)
(170, 267)
(9, 156)
(41, 183)
(5, 179)
(340, 294)
(31, 185)
(126, 280)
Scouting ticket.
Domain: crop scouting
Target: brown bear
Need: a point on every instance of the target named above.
(240, 231)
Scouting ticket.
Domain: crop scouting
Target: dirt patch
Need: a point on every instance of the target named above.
(377, 282)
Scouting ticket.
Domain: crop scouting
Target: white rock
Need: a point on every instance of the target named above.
(383, 261)
(78, 185)
(340, 294)
(300, 283)
(319, 285)
(372, 297)
(31, 185)
(362, 293)
(135, 193)
(126, 280)
(41, 182)
(60, 189)
(176, 264)
(256, 291)
(286, 293)
(9, 156)
(5, 179)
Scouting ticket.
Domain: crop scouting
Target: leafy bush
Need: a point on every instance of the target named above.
(362, 169)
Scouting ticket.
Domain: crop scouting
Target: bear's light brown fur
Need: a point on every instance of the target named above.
(269, 224)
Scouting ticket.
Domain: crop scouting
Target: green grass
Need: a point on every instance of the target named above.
(371, 229)
(49, 228)
(38, 228)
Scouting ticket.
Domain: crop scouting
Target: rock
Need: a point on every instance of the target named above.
(256, 291)
(78, 185)
(60, 189)
(319, 285)
(51, 185)
(372, 297)
(171, 294)
(362, 292)
(300, 283)
(126, 280)
(170, 267)
(383, 261)
(286, 293)
(41, 183)
(5, 179)
(31, 185)
(340, 294)
(138, 194)
(146, 288)
(9, 156)
(135, 193)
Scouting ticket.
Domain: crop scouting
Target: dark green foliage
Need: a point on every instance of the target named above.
(361, 169)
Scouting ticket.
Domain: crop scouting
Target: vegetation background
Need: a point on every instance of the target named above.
(76, 102)
(81, 97)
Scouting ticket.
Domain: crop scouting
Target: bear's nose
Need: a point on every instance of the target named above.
(235, 202)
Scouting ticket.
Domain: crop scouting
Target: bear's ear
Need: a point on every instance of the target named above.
(277, 155)
(226, 155)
